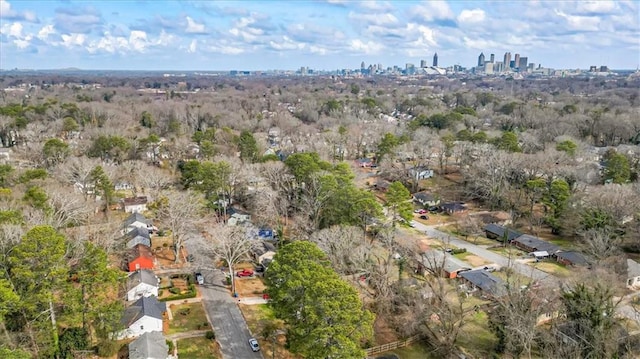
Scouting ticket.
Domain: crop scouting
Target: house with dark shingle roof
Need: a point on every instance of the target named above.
(137, 220)
(138, 236)
(483, 281)
(142, 283)
(426, 199)
(151, 345)
(529, 243)
(496, 231)
(143, 316)
(572, 258)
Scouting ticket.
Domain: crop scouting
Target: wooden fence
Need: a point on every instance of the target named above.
(393, 345)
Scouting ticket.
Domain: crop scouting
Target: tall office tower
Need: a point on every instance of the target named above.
(492, 58)
(481, 60)
(516, 60)
(362, 67)
(507, 60)
(423, 63)
(435, 60)
(522, 65)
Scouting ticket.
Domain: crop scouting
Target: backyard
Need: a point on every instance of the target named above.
(258, 318)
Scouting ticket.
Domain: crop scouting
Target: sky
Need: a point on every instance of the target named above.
(322, 35)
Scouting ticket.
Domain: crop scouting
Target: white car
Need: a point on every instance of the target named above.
(253, 343)
(199, 279)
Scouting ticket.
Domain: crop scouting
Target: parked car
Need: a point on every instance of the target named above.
(199, 279)
(420, 211)
(253, 343)
(424, 216)
(259, 268)
(245, 273)
(433, 209)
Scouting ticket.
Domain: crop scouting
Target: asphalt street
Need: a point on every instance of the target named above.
(227, 320)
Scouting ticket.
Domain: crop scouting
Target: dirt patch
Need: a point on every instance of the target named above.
(165, 256)
(475, 261)
(250, 287)
(383, 333)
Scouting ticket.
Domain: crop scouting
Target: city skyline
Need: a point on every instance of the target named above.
(324, 35)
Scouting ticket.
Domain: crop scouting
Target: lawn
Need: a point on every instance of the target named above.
(476, 337)
(188, 317)
(257, 317)
(198, 348)
(415, 351)
(508, 251)
(472, 259)
(552, 267)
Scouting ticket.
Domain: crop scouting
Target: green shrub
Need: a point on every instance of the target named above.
(175, 290)
(170, 345)
(459, 250)
(210, 335)
(107, 348)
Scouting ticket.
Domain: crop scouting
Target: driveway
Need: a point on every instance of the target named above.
(227, 320)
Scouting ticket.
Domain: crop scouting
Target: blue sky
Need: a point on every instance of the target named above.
(329, 34)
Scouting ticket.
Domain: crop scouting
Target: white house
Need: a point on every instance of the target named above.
(138, 236)
(152, 345)
(143, 316)
(633, 274)
(134, 204)
(142, 283)
(263, 252)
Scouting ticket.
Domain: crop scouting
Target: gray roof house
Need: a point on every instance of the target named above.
(144, 315)
(138, 236)
(530, 243)
(137, 220)
(633, 274)
(151, 345)
(571, 258)
(142, 283)
(489, 284)
(496, 231)
(426, 199)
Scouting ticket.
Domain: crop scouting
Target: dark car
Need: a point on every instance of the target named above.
(424, 216)
(259, 268)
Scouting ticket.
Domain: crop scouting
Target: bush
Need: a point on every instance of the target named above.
(161, 233)
(185, 311)
(160, 292)
(210, 335)
(175, 290)
(459, 250)
(170, 345)
(107, 348)
(73, 339)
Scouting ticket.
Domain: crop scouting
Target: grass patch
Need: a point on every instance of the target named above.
(562, 243)
(188, 317)
(476, 337)
(552, 267)
(197, 348)
(257, 317)
(509, 251)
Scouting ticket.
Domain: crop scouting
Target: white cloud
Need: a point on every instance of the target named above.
(138, 40)
(5, 8)
(45, 31)
(72, 40)
(15, 29)
(580, 23)
(193, 46)
(368, 47)
(598, 7)
(433, 10)
(6, 12)
(314, 49)
(165, 39)
(193, 27)
(372, 5)
(375, 19)
(286, 44)
(471, 16)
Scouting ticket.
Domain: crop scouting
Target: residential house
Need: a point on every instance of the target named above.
(138, 236)
(134, 204)
(266, 233)
(440, 263)
(237, 217)
(501, 233)
(529, 243)
(143, 316)
(485, 283)
(137, 220)
(123, 186)
(426, 199)
(142, 283)
(571, 258)
(453, 207)
(420, 173)
(633, 274)
(139, 257)
(382, 185)
(263, 252)
(150, 345)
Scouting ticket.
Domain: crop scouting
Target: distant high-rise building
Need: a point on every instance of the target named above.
(522, 64)
(488, 68)
(435, 60)
(498, 67)
(604, 68)
(423, 63)
(516, 59)
(481, 60)
(492, 58)
(512, 64)
(507, 60)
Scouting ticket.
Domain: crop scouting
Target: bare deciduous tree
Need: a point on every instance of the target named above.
(180, 212)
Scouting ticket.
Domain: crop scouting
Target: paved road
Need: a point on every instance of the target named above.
(499, 259)
(227, 320)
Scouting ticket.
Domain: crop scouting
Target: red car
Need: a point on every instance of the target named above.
(245, 273)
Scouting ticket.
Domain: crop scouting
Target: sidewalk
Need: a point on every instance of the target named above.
(252, 300)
